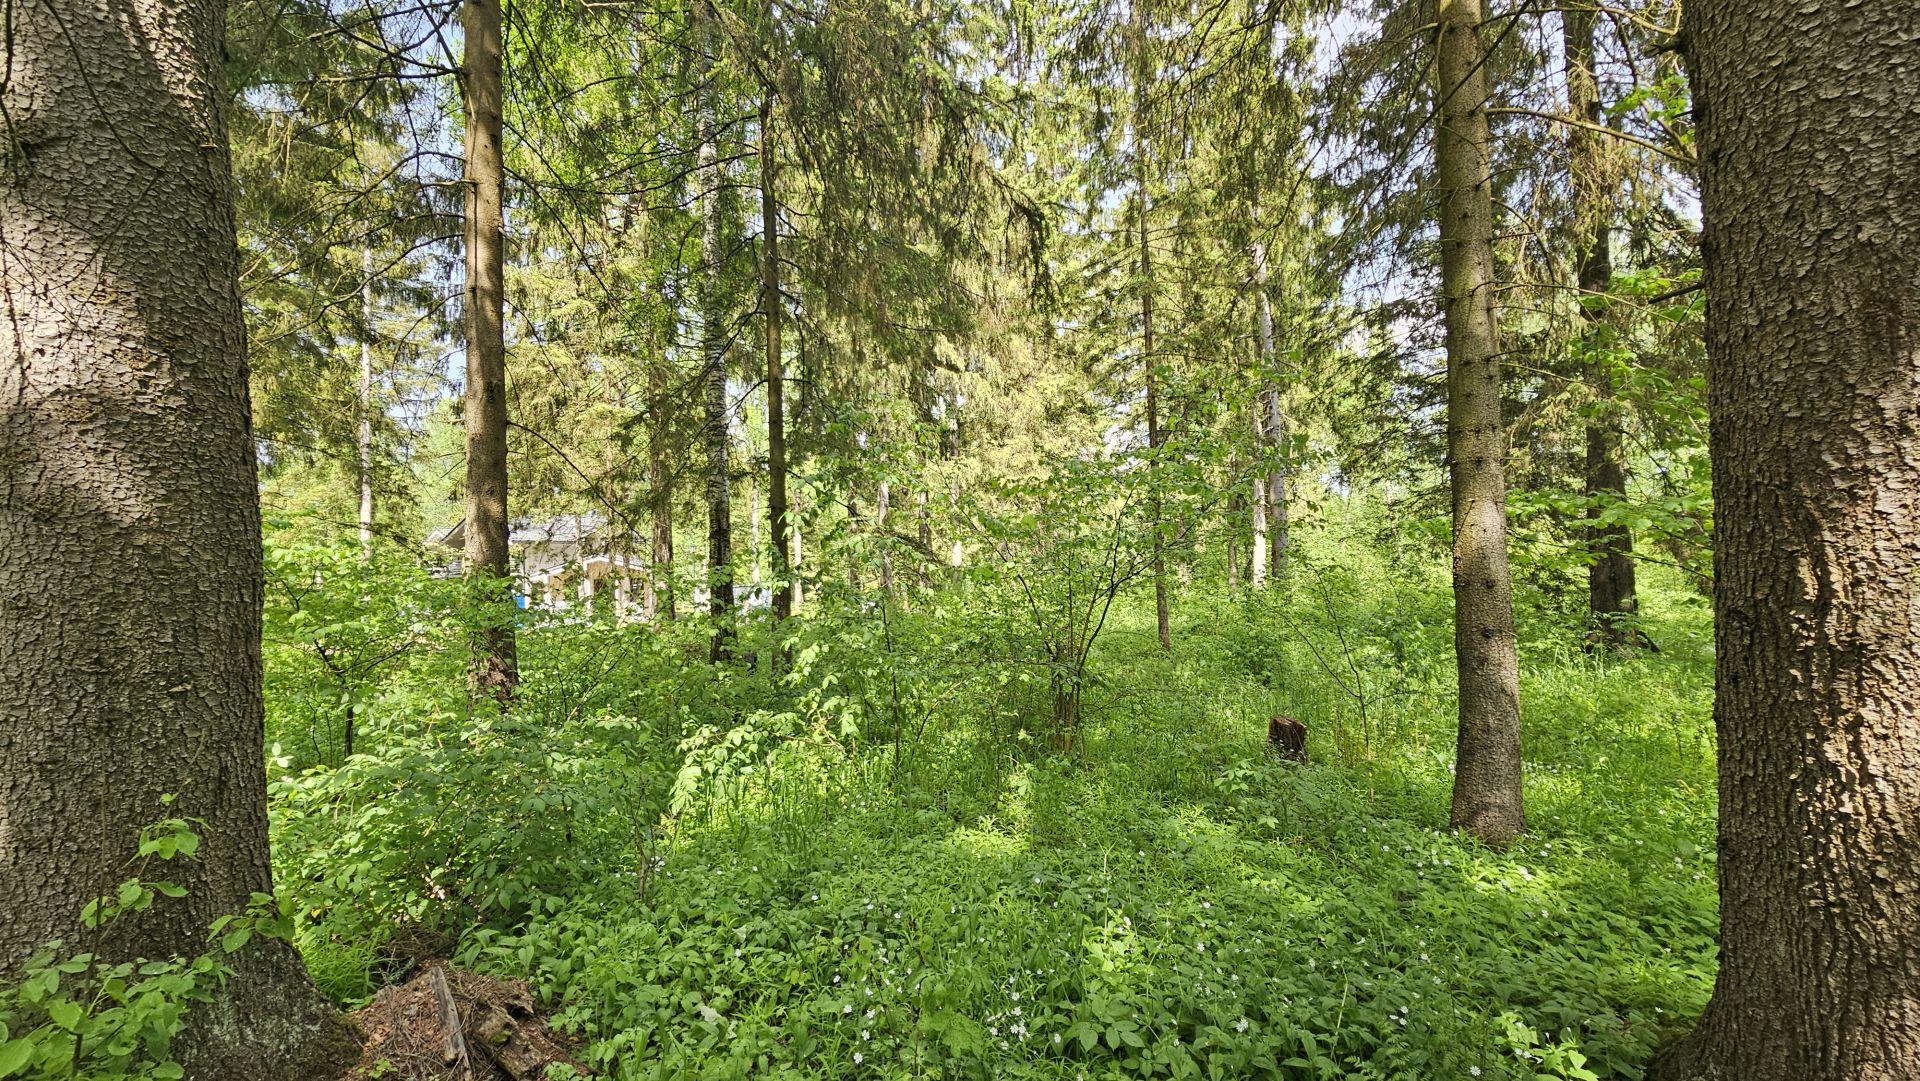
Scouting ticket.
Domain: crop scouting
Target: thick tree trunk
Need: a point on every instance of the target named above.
(1610, 586)
(495, 667)
(1812, 237)
(1486, 788)
(771, 307)
(130, 577)
(713, 350)
(363, 406)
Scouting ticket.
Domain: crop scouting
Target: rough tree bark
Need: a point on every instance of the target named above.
(1811, 196)
(713, 352)
(495, 667)
(1610, 584)
(130, 576)
(1486, 788)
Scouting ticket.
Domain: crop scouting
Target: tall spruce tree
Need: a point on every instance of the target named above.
(130, 558)
(1486, 790)
(1812, 239)
(495, 665)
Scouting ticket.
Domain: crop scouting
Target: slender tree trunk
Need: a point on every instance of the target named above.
(713, 346)
(949, 451)
(1162, 622)
(657, 601)
(799, 564)
(771, 306)
(363, 406)
(1141, 78)
(1812, 238)
(1610, 585)
(495, 666)
(923, 514)
(1236, 506)
(753, 531)
(853, 528)
(130, 569)
(1270, 424)
(1486, 789)
(1278, 538)
(882, 510)
(1256, 561)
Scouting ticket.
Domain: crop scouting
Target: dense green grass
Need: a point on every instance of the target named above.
(888, 870)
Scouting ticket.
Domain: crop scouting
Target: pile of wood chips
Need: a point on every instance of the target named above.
(449, 1025)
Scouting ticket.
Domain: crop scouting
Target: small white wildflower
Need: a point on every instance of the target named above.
(858, 1058)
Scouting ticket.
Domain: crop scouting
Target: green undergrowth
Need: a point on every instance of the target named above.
(889, 866)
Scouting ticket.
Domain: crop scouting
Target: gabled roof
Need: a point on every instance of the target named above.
(565, 529)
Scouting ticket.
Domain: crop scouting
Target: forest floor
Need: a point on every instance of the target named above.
(954, 898)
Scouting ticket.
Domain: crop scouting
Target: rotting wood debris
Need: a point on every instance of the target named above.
(450, 1025)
